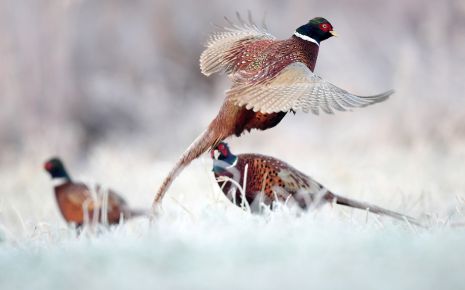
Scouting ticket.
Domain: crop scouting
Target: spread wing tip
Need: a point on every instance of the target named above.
(378, 98)
(385, 95)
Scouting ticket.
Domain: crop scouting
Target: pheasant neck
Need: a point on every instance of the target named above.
(306, 38)
(231, 159)
(60, 181)
(60, 174)
(222, 165)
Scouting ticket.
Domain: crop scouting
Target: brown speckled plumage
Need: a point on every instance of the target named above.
(261, 60)
(78, 203)
(266, 176)
(73, 198)
(270, 78)
(266, 180)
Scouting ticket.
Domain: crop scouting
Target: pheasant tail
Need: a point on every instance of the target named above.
(138, 212)
(200, 145)
(373, 209)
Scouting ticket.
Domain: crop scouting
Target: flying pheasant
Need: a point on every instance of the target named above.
(265, 179)
(74, 199)
(270, 78)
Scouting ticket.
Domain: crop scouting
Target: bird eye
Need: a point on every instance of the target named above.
(325, 27)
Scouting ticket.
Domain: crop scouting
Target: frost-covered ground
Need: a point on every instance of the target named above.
(223, 250)
(203, 242)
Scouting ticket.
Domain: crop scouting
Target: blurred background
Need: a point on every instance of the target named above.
(114, 88)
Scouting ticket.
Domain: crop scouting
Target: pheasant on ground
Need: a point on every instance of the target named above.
(76, 201)
(254, 180)
(270, 78)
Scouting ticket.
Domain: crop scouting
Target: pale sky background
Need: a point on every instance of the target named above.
(76, 73)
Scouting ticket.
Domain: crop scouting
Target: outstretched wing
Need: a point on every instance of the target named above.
(298, 88)
(216, 57)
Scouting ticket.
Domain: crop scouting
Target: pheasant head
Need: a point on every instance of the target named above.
(55, 167)
(223, 158)
(316, 30)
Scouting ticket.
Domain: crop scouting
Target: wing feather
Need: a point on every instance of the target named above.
(296, 87)
(215, 57)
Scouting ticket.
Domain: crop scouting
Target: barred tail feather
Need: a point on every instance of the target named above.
(373, 208)
(200, 145)
(138, 212)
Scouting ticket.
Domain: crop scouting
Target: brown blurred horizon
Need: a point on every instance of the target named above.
(78, 73)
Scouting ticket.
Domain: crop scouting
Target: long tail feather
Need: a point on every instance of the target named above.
(373, 208)
(138, 212)
(200, 145)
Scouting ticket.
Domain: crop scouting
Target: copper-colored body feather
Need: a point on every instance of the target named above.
(269, 78)
(78, 203)
(75, 198)
(266, 180)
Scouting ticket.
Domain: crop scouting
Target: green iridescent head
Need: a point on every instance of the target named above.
(316, 30)
(55, 167)
(222, 157)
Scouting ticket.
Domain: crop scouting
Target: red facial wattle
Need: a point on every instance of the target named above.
(326, 27)
(48, 166)
(223, 150)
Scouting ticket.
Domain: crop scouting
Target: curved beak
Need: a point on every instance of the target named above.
(333, 33)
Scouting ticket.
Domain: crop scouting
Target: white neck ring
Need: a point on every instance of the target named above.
(305, 37)
(234, 163)
(59, 181)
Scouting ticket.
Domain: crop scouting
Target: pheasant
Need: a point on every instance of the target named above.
(266, 180)
(270, 78)
(75, 198)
